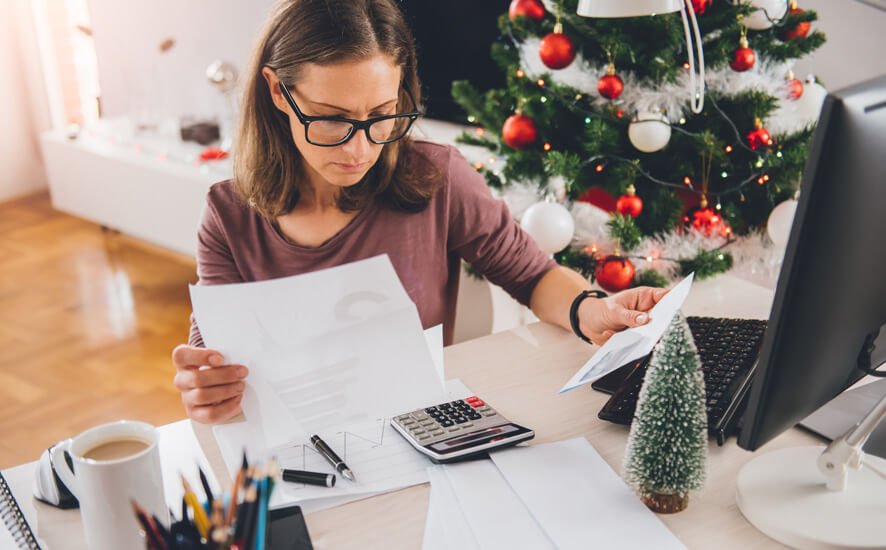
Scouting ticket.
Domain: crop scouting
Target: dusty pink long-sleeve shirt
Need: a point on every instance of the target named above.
(462, 220)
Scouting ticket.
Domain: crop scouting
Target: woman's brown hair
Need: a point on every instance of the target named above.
(267, 164)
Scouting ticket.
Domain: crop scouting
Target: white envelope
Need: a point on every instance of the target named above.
(633, 343)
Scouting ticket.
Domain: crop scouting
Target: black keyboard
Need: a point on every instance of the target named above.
(728, 349)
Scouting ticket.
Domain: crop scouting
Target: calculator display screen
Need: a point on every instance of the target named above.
(479, 437)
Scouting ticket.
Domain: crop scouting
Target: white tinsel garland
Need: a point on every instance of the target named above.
(672, 98)
(754, 256)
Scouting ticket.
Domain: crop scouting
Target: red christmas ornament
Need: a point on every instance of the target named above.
(699, 6)
(704, 219)
(533, 9)
(802, 28)
(744, 57)
(759, 136)
(518, 131)
(611, 85)
(614, 273)
(795, 88)
(629, 204)
(556, 50)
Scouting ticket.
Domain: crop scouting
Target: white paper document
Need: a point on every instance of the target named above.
(578, 500)
(632, 343)
(446, 528)
(327, 349)
(474, 494)
(380, 458)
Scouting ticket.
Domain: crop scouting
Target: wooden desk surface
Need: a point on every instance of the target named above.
(520, 372)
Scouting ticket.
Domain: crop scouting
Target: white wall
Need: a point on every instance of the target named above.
(136, 78)
(22, 111)
(856, 46)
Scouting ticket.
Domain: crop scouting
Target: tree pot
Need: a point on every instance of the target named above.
(666, 503)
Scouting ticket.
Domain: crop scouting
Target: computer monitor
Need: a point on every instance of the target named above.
(831, 293)
(830, 304)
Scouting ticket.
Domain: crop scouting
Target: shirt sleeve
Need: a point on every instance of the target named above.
(215, 263)
(483, 232)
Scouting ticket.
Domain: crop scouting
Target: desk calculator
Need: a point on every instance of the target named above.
(458, 430)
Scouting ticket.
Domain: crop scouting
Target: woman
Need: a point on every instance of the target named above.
(324, 174)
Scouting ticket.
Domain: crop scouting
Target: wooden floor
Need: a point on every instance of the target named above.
(88, 320)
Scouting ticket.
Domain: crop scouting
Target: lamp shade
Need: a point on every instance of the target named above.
(626, 8)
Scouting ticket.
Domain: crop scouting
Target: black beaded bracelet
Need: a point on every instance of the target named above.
(573, 311)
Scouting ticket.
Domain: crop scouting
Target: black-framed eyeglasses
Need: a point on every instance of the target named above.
(329, 131)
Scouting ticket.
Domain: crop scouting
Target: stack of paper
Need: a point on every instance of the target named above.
(558, 495)
(337, 353)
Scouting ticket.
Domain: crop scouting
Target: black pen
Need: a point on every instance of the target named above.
(333, 458)
(311, 478)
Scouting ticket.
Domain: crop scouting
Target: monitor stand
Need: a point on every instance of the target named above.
(844, 411)
(819, 497)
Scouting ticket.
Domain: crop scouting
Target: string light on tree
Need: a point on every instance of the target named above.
(557, 51)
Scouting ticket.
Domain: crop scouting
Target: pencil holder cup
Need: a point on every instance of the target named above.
(113, 465)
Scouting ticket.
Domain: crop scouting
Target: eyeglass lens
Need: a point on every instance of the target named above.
(327, 132)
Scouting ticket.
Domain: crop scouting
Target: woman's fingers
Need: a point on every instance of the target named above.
(213, 414)
(212, 395)
(190, 378)
(185, 356)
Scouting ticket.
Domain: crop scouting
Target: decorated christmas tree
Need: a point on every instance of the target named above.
(665, 456)
(597, 148)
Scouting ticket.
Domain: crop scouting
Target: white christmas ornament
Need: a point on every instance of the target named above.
(767, 13)
(550, 224)
(780, 220)
(649, 132)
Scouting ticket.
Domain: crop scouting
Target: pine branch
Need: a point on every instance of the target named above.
(625, 231)
(706, 264)
(650, 277)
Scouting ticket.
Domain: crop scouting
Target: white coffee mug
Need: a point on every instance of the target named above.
(106, 488)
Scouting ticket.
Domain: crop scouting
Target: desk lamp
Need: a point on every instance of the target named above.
(635, 8)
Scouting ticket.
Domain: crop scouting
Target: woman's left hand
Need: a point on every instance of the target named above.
(599, 319)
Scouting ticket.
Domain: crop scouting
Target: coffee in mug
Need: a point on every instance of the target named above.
(116, 449)
(114, 465)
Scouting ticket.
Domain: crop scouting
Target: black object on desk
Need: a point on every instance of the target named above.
(728, 349)
(13, 520)
(311, 478)
(324, 449)
(287, 530)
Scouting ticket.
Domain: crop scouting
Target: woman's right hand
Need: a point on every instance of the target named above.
(211, 390)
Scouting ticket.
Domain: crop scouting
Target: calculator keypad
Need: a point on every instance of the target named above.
(443, 420)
